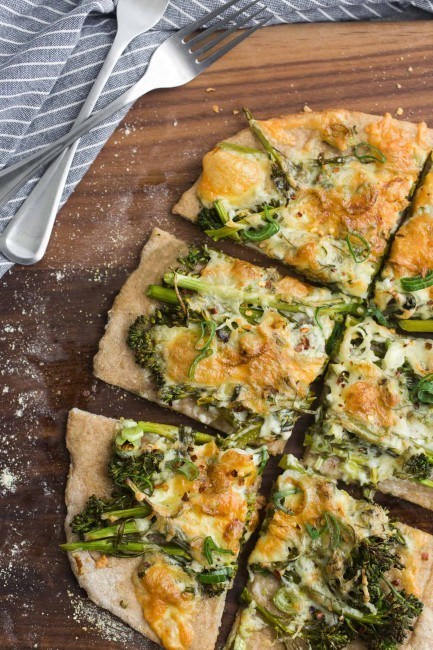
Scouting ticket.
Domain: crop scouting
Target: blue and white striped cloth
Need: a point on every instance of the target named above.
(51, 52)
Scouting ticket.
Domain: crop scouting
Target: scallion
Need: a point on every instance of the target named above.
(417, 282)
(371, 154)
(210, 547)
(359, 247)
(208, 329)
(279, 499)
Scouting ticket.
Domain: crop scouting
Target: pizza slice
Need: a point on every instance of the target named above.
(330, 572)
(322, 192)
(156, 516)
(229, 343)
(377, 423)
(405, 288)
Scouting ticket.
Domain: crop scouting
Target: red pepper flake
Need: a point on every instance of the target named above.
(424, 556)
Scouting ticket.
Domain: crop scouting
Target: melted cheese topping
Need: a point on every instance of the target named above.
(316, 496)
(169, 609)
(311, 569)
(269, 357)
(411, 254)
(237, 178)
(215, 504)
(330, 200)
(368, 392)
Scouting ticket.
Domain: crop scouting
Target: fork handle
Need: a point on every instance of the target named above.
(13, 177)
(25, 238)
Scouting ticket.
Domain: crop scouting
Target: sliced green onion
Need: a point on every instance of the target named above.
(208, 329)
(371, 154)
(264, 459)
(416, 325)
(210, 547)
(283, 600)
(184, 466)
(275, 621)
(313, 532)
(333, 526)
(358, 246)
(423, 391)
(214, 577)
(232, 146)
(279, 498)
(261, 234)
(417, 282)
(163, 294)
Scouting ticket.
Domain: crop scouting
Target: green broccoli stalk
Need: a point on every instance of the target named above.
(283, 180)
(191, 283)
(127, 547)
(383, 628)
(128, 440)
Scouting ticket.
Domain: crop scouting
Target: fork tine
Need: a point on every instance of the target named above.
(210, 30)
(189, 29)
(220, 37)
(231, 44)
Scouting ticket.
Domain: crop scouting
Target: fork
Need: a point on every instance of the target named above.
(178, 60)
(25, 238)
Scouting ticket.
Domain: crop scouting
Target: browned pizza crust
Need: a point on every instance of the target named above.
(111, 584)
(114, 362)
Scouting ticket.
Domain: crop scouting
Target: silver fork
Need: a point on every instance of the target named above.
(25, 238)
(181, 58)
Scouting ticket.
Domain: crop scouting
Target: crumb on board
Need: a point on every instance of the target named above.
(216, 108)
(235, 111)
(307, 109)
(8, 480)
(398, 85)
(399, 111)
(410, 69)
(92, 618)
(210, 90)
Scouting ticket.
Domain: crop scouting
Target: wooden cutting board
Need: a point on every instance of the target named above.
(53, 314)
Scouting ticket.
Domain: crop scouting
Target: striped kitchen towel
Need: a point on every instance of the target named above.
(52, 50)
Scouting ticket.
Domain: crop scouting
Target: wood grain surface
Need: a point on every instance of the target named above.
(53, 314)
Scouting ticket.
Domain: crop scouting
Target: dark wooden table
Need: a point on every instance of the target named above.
(53, 314)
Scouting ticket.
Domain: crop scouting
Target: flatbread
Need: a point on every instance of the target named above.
(298, 136)
(114, 363)
(403, 489)
(110, 585)
(419, 639)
